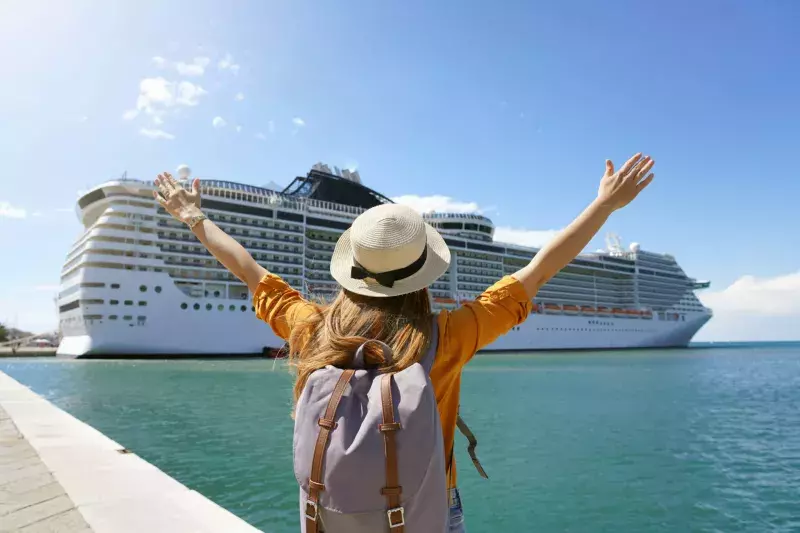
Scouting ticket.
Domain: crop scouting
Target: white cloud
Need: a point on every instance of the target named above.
(238, 129)
(271, 126)
(778, 296)
(239, 97)
(524, 237)
(196, 68)
(37, 214)
(158, 96)
(218, 122)
(446, 204)
(754, 309)
(299, 122)
(227, 63)
(9, 211)
(83, 118)
(159, 62)
(260, 136)
(188, 94)
(437, 204)
(154, 133)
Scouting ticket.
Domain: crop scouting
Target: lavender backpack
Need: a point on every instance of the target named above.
(368, 450)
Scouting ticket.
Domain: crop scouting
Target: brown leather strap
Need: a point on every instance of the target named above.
(473, 442)
(326, 425)
(394, 511)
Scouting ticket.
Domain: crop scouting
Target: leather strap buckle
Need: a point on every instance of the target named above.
(311, 510)
(391, 426)
(327, 424)
(397, 517)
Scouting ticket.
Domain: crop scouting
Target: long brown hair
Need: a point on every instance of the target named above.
(332, 336)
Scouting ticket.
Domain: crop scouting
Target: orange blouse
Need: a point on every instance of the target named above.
(462, 332)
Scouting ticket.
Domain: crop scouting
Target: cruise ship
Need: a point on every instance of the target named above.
(138, 283)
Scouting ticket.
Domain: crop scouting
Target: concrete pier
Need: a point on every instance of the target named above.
(58, 474)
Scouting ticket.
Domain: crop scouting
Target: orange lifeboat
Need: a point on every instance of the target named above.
(569, 308)
(603, 310)
(552, 307)
(536, 308)
(647, 314)
(618, 312)
(633, 313)
(588, 310)
(444, 300)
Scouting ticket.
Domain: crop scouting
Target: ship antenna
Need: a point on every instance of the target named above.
(613, 243)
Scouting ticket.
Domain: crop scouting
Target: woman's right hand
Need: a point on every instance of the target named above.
(180, 203)
(618, 189)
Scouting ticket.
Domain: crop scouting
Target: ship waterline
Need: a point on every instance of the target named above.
(137, 282)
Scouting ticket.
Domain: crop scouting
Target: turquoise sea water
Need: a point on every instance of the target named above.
(703, 439)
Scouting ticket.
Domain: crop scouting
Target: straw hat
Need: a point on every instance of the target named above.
(388, 251)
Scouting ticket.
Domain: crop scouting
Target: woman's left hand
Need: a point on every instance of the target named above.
(178, 202)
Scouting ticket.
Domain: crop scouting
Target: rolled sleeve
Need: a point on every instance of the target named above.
(477, 324)
(279, 305)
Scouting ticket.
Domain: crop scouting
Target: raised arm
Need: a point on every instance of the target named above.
(185, 207)
(617, 189)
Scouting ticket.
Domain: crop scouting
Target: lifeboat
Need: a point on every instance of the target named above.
(603, 310)
(647, 314)
(536, 308)
(618, 312)
(633, 313)
(552, 307)
(588, 310)
(444, 300)
(571, 309)
(465, 301)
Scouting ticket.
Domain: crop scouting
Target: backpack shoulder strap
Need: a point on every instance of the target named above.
(326, 425)
(392, 491)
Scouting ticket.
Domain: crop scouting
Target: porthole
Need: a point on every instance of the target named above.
(115, 285)
(208, 307)
(244, 308)
(113, 302)
(158, 289)
(128, 302)
(112, 317)
(127, 317)
(142, 304)
(196, 307)
(142, 288)
(220, 307)
(232, 308)
(184, 305)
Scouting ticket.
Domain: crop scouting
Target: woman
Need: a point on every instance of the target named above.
(385, 262)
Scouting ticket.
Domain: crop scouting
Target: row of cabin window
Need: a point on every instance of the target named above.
(220, 307)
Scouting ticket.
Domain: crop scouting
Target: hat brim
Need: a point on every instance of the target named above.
(436, 264)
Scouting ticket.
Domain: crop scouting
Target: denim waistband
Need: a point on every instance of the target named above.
(453, 497)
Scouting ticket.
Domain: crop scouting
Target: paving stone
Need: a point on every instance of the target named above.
(35, 513)
(69, 522)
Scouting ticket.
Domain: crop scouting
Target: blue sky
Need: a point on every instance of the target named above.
(507, 107)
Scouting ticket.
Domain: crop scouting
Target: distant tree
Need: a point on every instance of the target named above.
(3, 333)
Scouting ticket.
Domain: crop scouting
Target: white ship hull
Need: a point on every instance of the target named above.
(168, 330)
